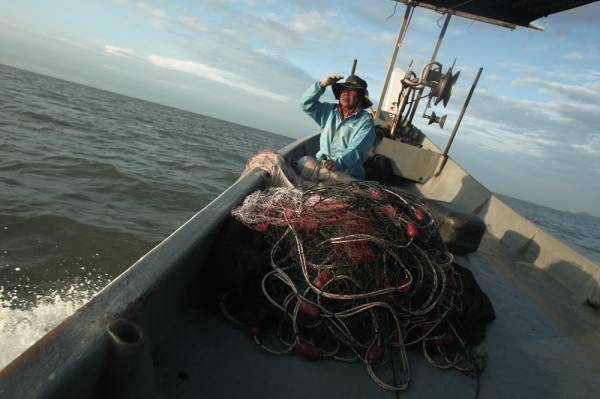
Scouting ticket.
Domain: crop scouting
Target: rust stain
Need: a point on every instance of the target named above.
(32, 351)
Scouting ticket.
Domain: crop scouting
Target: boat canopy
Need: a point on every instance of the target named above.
(507, 13)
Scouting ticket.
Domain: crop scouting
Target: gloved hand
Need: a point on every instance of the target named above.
(329, 80)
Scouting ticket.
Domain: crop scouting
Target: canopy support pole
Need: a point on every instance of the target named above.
(441, 37)
(457, 125)
(401, 34)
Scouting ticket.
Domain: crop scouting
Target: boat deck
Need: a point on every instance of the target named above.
(542, 344)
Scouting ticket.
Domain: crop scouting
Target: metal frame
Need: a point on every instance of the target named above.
(401, 34)
(445, 10)
(404, 27)
(407, 89)
(458, 121)
(441, 37)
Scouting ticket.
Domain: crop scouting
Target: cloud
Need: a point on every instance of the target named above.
(591, 147)
(502, 137)
(259, 42)
(178, 86)
(153, 11)
(224, 16)
(244, 41)
(566, 107)
(581, 95)
(559, 127)
(193, 23)
(159, 18)
(565, 73)
(69, 41)
(211, 73)
(575, 56)
(585, 15)
(534, 49)
(312, 21)
(586, 148)
(118, 51)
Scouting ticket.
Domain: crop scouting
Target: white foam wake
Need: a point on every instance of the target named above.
(21, 323)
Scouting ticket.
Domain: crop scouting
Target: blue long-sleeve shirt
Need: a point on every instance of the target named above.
(344, 141)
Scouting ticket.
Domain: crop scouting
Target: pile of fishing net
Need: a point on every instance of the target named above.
(357, 273)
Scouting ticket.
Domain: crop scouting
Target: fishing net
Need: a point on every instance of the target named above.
(269, 160)
(357, 273)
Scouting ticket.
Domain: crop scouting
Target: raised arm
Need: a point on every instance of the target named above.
(310, 100)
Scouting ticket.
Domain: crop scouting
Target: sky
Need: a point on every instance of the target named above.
(531, 130)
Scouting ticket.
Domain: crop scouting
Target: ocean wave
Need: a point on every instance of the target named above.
(51, 95)
(86, 167)
(44, 118)
(10, 107)
(69, 167)
(91, 181)
(24, 322)
(578, 230)
(52, 247)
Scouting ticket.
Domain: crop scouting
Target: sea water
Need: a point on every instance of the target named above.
(91, 180)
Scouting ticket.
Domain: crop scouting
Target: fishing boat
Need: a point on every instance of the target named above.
(150, 333)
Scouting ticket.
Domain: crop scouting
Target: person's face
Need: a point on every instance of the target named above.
(349, 98)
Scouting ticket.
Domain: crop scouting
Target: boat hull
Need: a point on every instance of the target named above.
(542, 344)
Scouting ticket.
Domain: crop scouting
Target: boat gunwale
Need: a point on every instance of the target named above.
(76, 349)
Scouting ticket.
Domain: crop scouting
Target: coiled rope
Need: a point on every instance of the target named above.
(358, 273)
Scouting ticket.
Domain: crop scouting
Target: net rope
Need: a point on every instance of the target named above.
(357, 272)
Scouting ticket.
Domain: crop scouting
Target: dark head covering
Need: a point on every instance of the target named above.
(355, 83)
